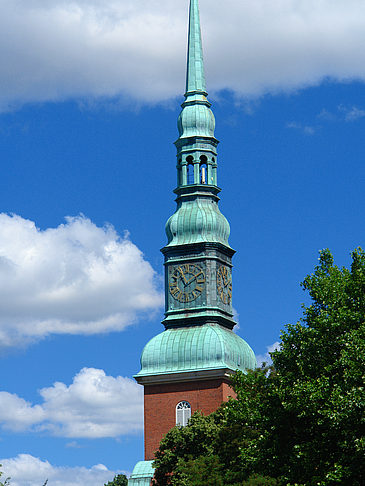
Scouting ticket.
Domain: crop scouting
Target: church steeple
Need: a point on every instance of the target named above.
(197, 228)
(187, 367)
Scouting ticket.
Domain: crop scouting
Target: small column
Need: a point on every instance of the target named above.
(214, 167)
(210, 174)
(197, 171)
(184, 181)
(179, 175)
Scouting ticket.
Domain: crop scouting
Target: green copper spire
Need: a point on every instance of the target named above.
(196, 145)
(195, 79)
(197, 218)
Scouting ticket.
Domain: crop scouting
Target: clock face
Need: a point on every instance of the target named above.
(186, 282)
(224, 284)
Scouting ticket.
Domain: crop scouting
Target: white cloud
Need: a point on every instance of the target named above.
(266, 358)
(61, 49)
(343, 113)
(326, 115)
(18, 414)
(73, 279)
(306, 129)
(93, 406)
(351, 114)
(27, 470)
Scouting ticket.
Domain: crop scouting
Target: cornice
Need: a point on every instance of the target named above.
(186, 376)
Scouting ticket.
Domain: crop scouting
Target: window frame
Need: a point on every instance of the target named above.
(183, 413)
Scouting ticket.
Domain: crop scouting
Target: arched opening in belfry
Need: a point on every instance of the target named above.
(190, 169)
(203, 170)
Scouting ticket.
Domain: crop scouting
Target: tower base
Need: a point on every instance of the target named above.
(160, 405)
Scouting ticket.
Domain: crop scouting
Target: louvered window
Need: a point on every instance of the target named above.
(183, 413)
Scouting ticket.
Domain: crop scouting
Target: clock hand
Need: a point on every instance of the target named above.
(190, 279)
(194, 277)
(183, 276)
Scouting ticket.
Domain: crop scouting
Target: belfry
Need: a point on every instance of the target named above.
(187, 367)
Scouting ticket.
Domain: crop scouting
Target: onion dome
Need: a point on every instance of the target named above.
(198, 348)
(196, 119)
(197, 220)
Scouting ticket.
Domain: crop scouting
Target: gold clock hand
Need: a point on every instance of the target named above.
(191, 279)
(182, 275)
(195, 277)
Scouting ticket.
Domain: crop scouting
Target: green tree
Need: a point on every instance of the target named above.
(119, 480)
(207, 451)
(301, 420)
(320, 369)
(182, 445)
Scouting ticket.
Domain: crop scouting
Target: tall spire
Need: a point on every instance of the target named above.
(196, 145)
(195, 78)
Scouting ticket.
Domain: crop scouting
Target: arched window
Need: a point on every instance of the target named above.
(203, 170)
(183, 413)
(190, 169)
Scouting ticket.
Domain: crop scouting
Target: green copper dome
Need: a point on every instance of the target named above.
(196, 118)
(196, 348)
(142, 474)
(195, 221)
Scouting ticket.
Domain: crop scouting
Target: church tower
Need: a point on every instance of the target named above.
(187, 367)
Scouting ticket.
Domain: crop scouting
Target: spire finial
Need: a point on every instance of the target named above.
(195, 78)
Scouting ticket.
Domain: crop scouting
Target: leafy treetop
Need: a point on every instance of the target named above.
(119, 480)
(300, 422)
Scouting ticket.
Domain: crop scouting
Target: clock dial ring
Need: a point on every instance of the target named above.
(186, 282)
(224, 284)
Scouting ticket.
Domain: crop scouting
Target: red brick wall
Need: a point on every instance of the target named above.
(160, 406)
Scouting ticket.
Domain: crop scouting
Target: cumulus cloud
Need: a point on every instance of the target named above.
(27, 470)
(63, 49)
(74, 279)
(93, 406)
(266, 358)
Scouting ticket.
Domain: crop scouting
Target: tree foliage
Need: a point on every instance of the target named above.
(300, 422)
(119, 480)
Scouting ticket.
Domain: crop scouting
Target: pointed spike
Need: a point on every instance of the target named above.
(195, 78)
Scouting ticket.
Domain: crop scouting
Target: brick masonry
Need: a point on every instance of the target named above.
(160, 406)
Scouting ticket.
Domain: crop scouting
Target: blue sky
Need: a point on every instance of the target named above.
(90, 94)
